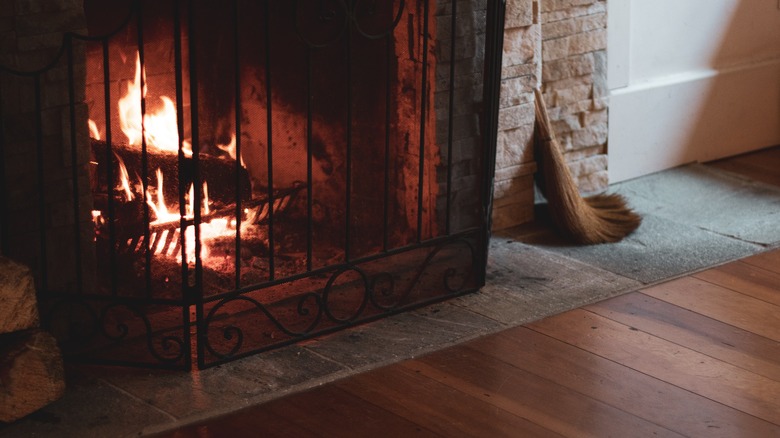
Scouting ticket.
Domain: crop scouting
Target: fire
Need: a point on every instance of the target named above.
(94, 132)
(124, 179)
(163, 215)
(159, 208)
(231, 149)
(159, 127)
(209, 229)
(206, 209)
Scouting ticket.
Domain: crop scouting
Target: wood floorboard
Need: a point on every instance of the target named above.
(726, 305)
(260, 422)
(696, 372)
(694, 331)
(328, 411)
(761, 165)
(615, 384)
(747, 279)
(766, 260)
(436, 405)
(334, 412)
(545, 402)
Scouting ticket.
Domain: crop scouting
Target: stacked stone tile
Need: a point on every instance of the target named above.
(31, 37)
(562, 44)
(37, 148)
(521, 73)
(574, 76)
(467, 87)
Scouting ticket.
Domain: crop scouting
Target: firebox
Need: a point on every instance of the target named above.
(196, 181)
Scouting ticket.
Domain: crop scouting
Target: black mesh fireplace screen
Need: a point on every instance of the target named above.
(197, 181)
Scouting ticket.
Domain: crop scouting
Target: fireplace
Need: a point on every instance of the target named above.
(196, 181)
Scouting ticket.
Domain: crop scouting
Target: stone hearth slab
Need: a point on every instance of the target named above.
(710, 199)
(660, 249)
(404, 336)
(223, 388)
(89, 408)
(526, 283)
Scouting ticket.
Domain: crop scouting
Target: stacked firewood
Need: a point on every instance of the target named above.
(31, 371)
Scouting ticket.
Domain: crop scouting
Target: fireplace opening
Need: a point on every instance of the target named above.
(242, 175)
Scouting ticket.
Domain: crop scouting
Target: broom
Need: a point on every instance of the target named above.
(596, 219)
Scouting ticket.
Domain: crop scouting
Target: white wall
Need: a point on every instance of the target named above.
(691, 80)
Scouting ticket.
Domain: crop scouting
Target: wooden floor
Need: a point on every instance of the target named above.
(698, 356)
(763, 165)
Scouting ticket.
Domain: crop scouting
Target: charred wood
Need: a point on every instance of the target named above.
(224, 185)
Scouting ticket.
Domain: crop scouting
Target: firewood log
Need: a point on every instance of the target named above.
(18, 304)
(218, 172)
(31, 373)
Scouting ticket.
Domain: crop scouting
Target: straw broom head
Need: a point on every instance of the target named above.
(597, 219)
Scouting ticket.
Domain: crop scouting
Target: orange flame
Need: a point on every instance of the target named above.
(159, 127)
(231, 149)
(124, 179)
(94, 132)
(217, 227)
(159, 208)
(206, 209)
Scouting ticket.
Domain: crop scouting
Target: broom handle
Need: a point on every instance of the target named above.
(542, 117)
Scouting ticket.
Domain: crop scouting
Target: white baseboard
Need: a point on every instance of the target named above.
(696, 116)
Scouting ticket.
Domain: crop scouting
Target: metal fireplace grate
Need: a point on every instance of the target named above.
(322, 163)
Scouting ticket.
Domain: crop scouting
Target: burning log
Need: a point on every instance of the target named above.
(31, 373)
(218, 172)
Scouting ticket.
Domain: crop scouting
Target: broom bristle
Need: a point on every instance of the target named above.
(596, 219)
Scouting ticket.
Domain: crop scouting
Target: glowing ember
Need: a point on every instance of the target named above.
(97, 218)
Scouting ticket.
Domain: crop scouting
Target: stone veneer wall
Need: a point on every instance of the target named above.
(574, 77)
(467, 96)
(562, 45)
(521, 73)
(31, 35)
